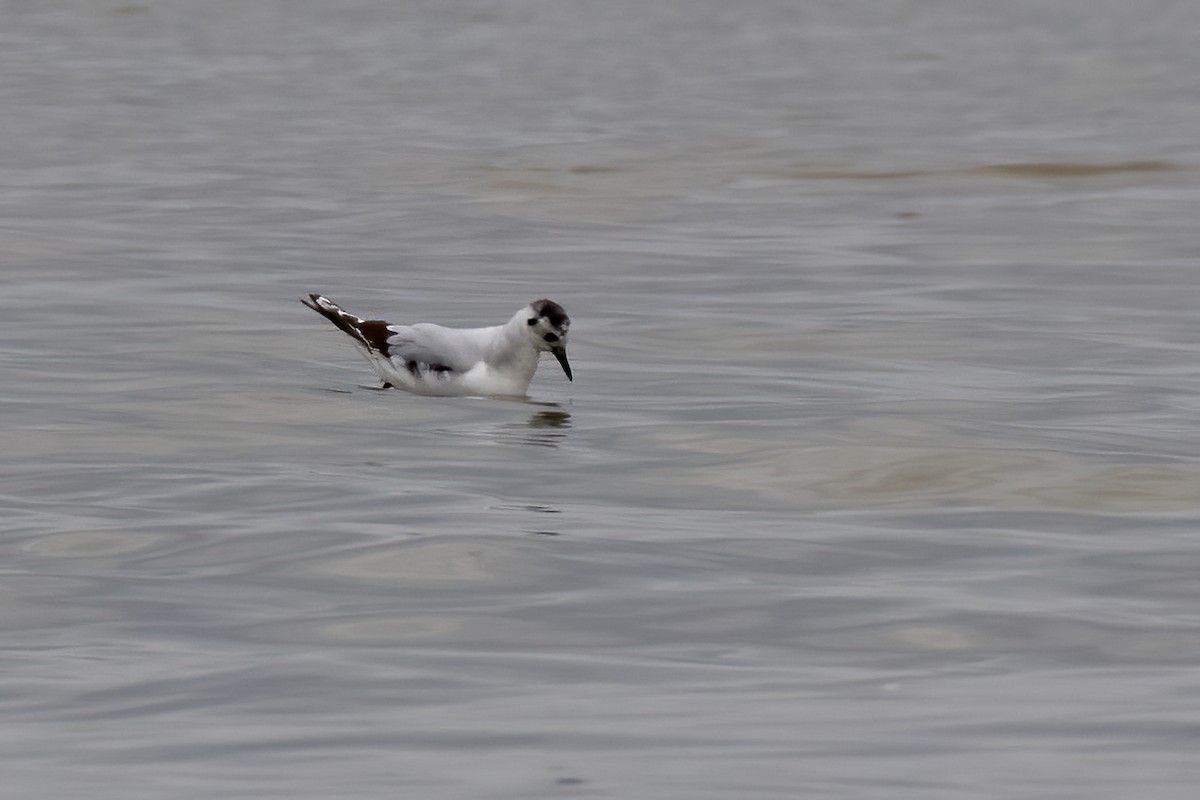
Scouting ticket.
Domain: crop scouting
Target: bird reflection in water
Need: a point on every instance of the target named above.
(545, 428)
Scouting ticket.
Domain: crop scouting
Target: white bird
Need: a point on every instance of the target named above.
(430, 359)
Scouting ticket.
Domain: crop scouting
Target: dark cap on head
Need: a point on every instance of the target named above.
(552, 311)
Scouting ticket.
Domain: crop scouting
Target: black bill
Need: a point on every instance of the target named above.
(561, 354)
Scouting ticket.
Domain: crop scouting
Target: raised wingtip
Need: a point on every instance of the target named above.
(313, 297)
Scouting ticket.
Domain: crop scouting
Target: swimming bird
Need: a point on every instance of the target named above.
(430, 359)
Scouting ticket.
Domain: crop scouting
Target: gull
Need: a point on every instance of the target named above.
(433, 360)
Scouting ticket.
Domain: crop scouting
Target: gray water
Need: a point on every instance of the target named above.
(879, 478)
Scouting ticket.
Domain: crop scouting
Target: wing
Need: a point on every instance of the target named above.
(431, 347)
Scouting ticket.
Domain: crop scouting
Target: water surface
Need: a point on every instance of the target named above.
(879, 476)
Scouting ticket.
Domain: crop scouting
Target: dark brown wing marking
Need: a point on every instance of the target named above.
(372, 333)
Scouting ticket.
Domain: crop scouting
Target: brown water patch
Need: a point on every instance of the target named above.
(1138, 488)
(941, 474)
(984, 633)
(461, 560)
(1052, 169)
(91, 544)
(778, 472)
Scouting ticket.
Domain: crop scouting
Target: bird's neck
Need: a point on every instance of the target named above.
(510, 349)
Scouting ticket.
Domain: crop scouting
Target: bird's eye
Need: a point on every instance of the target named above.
(550, 337)
(533, 321)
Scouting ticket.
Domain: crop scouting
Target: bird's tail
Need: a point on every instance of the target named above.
(371, 334)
